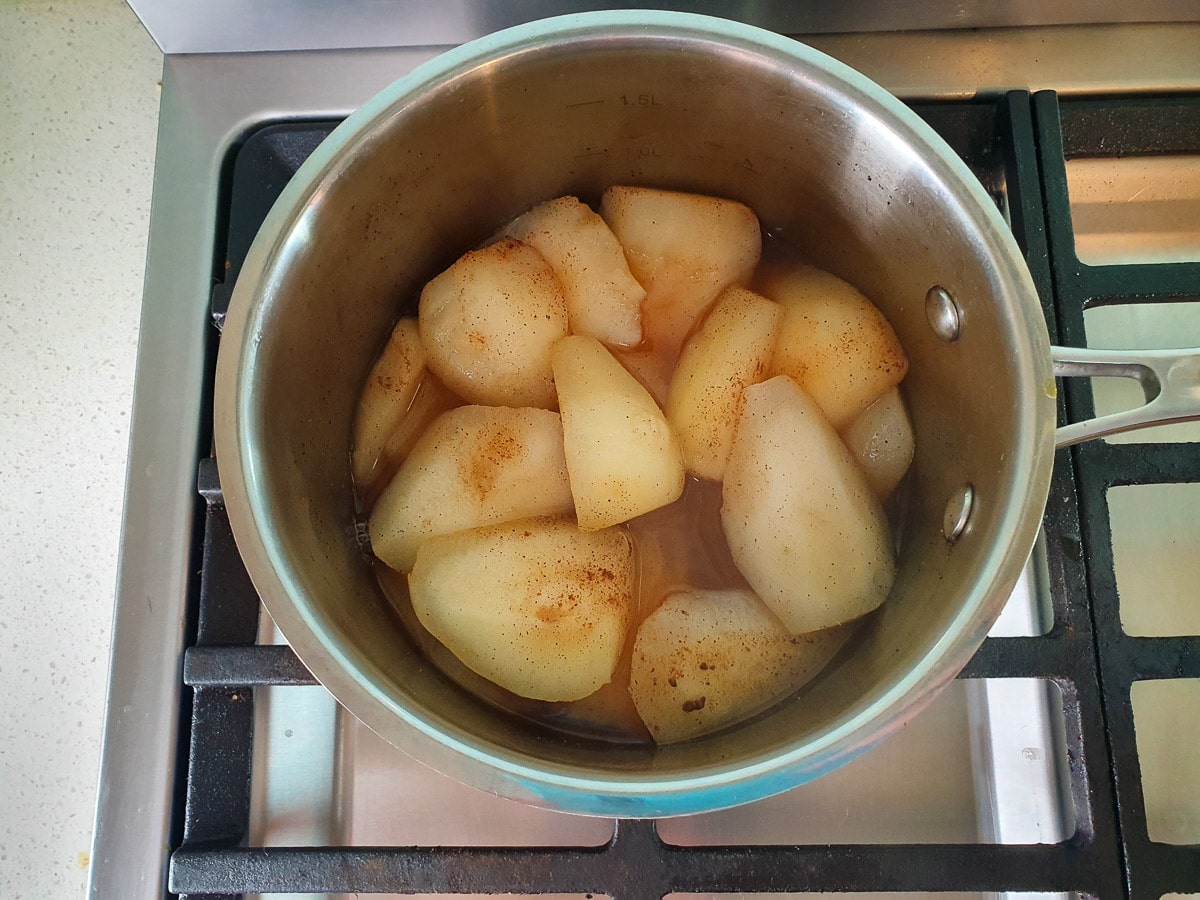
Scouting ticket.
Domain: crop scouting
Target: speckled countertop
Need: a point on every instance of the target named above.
(78, 113)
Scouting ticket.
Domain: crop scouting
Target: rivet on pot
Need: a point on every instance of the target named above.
(943, 313)
(958, 511)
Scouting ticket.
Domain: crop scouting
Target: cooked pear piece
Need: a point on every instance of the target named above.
(834, 342)
(800, 519)
(604, 300)
(622, 458)
(708, 659)
(684, 249)
(538, 606)
(881, 441)
(730, 350)
(488, 323)
(386, 396)
(431, 400)
(475, 465)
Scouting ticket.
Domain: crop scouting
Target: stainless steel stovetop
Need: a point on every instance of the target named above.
(986, 763)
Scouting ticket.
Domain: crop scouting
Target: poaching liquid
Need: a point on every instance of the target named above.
(678, 546)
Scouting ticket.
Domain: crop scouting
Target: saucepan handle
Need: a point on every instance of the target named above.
(1169, 378)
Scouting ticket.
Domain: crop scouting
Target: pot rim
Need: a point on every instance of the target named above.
(554, 785)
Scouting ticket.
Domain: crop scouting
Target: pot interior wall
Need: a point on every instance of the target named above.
(439, 173)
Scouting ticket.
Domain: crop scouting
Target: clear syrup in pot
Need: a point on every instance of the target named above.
(679, 546)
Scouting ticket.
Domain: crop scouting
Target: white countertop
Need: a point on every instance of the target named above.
(79, 100)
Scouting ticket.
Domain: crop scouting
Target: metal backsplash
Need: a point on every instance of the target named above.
(225, 26)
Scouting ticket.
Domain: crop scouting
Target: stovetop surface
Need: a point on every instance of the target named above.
(1015, 782)
(1124, 824)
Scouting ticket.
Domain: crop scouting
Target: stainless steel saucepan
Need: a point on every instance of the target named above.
(829, 160)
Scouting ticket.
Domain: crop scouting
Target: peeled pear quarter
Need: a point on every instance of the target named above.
(488, 323)
(684, 249)
(801, 522)
(621, 455)
(386, 396)
(538, 607)
(881, 441)
(603, 298)
(730, 349)
(431, 400)
(834, 342)
(705, 660)
(473, 466)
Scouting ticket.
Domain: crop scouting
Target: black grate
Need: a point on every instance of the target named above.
(1109, 129)
(1015, 145)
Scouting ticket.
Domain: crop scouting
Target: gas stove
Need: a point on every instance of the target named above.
(228, 771)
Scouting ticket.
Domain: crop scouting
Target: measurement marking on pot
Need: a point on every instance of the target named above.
(584, 103)
(638, 100)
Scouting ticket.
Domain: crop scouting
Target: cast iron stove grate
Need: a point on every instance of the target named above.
(1017, 145)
